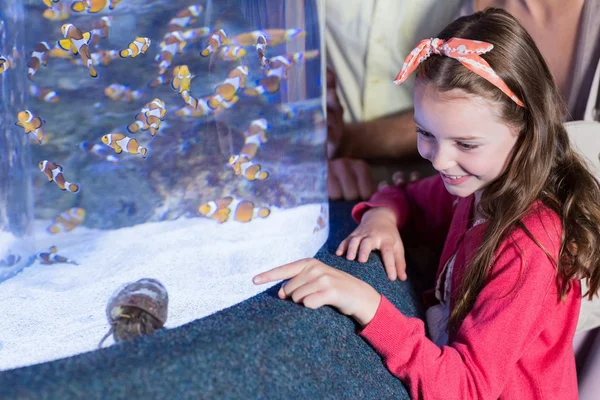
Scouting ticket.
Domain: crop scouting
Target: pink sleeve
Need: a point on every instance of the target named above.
(507, 315)
(423, 209)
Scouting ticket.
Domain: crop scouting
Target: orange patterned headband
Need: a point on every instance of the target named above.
(466, 51)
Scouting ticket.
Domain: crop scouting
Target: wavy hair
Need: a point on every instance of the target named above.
(555, 172)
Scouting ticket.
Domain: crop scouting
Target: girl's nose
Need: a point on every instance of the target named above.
(442, 160)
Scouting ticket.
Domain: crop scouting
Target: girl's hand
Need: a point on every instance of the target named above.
(377, 231)
(316, 284)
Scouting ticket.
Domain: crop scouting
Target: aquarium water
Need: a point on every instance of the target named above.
(181, 141)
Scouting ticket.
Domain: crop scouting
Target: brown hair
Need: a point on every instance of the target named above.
(556, 174)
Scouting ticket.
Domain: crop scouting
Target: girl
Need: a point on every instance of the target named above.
(517, 208)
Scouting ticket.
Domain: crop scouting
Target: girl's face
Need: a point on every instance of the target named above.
(462, 137)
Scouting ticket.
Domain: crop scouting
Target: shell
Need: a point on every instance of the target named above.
(146, 294)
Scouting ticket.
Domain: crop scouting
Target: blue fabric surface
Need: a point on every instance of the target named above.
(263, 347)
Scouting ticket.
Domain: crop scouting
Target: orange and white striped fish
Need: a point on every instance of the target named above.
(4, 64)
(184, 17)
(273, 36)
(192, 35)
(182, 78)
(39, 56)
(140, 123)
(118, 92)
(31, 124)
(50, 257)
(91, 6)
(77, 42)
(197, 108)
(323, 219)
(228, 207)
(43, 94)
(254, 137)
(232, 53)
(174, 43)
(119, 142)
(236, 79)
(54, 172)
(261, 50)
(57, 12)
(243, 166)
(216, 40)
(138, 46)
(155, 114)
(67, 220)
(100, 30)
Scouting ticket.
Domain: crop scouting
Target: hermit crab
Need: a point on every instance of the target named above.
(136, 309)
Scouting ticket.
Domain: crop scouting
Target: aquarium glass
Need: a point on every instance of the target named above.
(169, 148)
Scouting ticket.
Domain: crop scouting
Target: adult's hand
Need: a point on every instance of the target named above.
(349, 179)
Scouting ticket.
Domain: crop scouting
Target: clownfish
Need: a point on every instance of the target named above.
(49, 2)
(67, 220)
(255, 136)
(77, 42)
(54, 172)
(138, 46)
(216, 40)
(57, 12)
(243, 166)
(91, 6)
(195, 34)
(182, 78)
(43, 94)
(140, 121)
(261, 50)
(117, 92)
(199, 107)
(274, 36)
(172, 44)
(119, 142)
(236, 79)
(232, 53)
(4, 64)
(31, 124)
(155, 114)
(39, 56)
(184, 17)
(100, 30)
(239, 210)
(270, 84)
(50, 257)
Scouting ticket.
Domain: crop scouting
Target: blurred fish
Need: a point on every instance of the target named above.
(4, 64)
(138, 46)
(173, 43)
(240, 210)
(119, 142)
(158, 81)
(77, 42)
(54, 172)
(184, 17)
(100, 30)
(50, 257)
(232, 53)
(57, 12)
(91, 6)
(140, 121)
(31, 124)
(155, 114)
(194, 34)
(321, 220)
(39, 56)
(67, 220)
(99, 150)
(270, 84)
(182, 78)
(58, 52)
(101, 57)
(216, 40)
(118, 92)
(43, 94)
(10, 260)
(49, 3)
(261, 50)
(243, 166)
(254, 137)
(273, 36)
(236, 79)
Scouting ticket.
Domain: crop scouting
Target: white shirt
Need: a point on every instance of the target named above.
(366, 44)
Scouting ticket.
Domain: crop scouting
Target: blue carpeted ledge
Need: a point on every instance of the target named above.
(263, 347)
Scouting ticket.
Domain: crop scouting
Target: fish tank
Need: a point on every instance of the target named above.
(156, 155)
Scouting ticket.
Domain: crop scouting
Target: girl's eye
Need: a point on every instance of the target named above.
(424, 134)
(466, 146)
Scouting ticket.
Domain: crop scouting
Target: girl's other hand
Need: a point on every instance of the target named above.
(399, 179)
(316, 284)
(377, 231)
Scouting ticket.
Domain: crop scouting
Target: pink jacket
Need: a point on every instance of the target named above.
(516, 343)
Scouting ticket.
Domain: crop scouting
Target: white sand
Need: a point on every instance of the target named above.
(54, 311)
